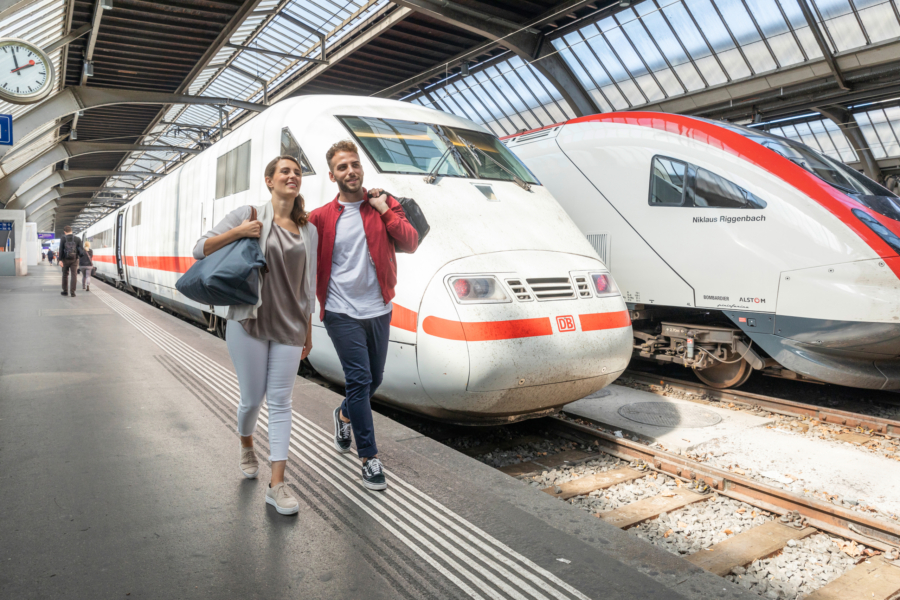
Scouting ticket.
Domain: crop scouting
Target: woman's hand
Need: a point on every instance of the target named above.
(248, 229)
(307, 345)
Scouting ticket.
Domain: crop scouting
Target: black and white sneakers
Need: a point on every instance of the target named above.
(341, 433)
(373, 475)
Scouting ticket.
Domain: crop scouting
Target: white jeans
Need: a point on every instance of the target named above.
(264, 369)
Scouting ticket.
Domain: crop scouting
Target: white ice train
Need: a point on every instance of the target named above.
(734, 249)
(504, 311)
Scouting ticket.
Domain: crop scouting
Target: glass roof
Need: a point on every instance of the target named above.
(236, 73)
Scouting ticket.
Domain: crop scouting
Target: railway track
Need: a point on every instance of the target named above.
(877, 576)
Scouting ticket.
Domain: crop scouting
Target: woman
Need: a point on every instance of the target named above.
(268, 340)
(86, 263)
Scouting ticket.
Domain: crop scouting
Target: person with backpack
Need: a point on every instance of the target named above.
(50, 255)
(355, 285)
(70, 251)
(267, 341)
(85, 265)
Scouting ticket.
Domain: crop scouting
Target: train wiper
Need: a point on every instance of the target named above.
(451, 149)
(516, 179)
(432, 174)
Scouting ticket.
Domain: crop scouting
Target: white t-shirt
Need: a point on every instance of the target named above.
(353, 289)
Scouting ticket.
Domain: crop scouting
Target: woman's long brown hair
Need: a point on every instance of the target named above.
(298, 213)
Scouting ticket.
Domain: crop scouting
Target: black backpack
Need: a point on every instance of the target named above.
(71, 250)
(415, 216)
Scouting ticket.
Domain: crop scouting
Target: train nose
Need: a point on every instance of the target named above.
(838, 323)
(529, 339)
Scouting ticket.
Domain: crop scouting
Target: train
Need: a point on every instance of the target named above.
(736, 251)
(505, 311)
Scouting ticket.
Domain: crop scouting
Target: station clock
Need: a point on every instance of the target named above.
(26, 73)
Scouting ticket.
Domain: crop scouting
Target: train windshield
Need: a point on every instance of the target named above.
(837, 174)
(414, 148)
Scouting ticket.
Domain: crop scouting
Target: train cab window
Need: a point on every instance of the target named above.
(233, 171)
(290, 147)
(667, 179)
(708, 189)
(415, 148)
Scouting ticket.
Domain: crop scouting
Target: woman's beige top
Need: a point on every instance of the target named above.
(283, 316)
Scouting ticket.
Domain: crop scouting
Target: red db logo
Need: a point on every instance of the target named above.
(566, 323)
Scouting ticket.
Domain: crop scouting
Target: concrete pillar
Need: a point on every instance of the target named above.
(17, 264)
(33, 245)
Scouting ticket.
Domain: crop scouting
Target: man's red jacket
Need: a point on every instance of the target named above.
(381, 233)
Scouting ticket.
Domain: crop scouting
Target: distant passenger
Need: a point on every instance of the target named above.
(70, 251)
(267, 341)
(50, 255)
(85, 264)
(355, 285)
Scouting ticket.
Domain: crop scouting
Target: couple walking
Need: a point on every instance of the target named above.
(343, 254)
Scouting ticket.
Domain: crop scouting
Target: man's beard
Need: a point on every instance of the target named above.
(342, 186)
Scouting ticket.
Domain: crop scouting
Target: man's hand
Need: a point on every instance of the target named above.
(378, 200)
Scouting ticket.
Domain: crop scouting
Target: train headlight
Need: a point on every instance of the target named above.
(478, 290)
(604, 285)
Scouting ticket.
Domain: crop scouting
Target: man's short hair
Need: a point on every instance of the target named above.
(67, 229)
(341, 146)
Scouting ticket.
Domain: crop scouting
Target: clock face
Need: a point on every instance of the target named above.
(26, 74)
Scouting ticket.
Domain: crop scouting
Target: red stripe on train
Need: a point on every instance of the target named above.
(487, 331)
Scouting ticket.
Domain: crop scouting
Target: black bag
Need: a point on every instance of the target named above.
(226, 277)
(71, 249)
(93, 271)
(415, 216)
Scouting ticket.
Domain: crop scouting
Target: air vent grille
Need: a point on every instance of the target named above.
(519, 290)
(600, 242)
(551, 288)
(583, 286)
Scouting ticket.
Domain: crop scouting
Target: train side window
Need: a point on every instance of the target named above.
(710, 190)
(290, 147)
(667, 179)
(136, 214)
(233, 171)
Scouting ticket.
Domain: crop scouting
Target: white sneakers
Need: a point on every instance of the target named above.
(249, 465)
(281, 499)
(279, 496)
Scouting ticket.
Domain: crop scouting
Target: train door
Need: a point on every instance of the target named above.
(120, 244)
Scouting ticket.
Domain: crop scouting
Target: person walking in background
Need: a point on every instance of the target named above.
(50, 255)
(268, 340)
(70, 251)
(355, 285)
(85, 264)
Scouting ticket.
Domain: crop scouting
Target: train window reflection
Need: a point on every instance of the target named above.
(709, 189)
(290, 147)
(409, 147)
(667, 182)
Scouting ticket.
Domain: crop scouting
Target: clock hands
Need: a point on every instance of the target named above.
(18, 68)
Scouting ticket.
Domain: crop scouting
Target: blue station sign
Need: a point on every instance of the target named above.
(6, 136)
(6, 225)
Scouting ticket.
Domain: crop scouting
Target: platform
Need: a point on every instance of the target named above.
(118, 459)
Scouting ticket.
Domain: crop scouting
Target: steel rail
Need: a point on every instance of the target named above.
(886, 427)
(822, 515)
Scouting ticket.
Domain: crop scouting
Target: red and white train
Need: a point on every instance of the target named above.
(504, 312)
(734, 249)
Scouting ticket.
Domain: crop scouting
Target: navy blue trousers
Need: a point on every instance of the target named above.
(362, 346)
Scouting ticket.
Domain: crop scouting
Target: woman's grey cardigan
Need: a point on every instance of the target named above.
(265, 214)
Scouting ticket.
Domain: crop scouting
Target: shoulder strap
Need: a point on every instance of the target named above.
(252, 213)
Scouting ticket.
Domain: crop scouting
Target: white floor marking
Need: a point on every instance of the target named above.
(337, 470)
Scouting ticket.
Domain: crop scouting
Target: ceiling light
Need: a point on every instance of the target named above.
(624, 3)
(464, 69)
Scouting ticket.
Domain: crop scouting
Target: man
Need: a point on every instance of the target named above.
(355, 279)
(70, 250)
(50, 255)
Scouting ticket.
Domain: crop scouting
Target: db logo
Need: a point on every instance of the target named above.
(566, 323)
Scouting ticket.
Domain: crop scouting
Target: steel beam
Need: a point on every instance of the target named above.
(526, 41)
(83, 30)
(10, 7)
(29, 194)
(849, 127)
(11, 183)
(76, 98)
(823, 45)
